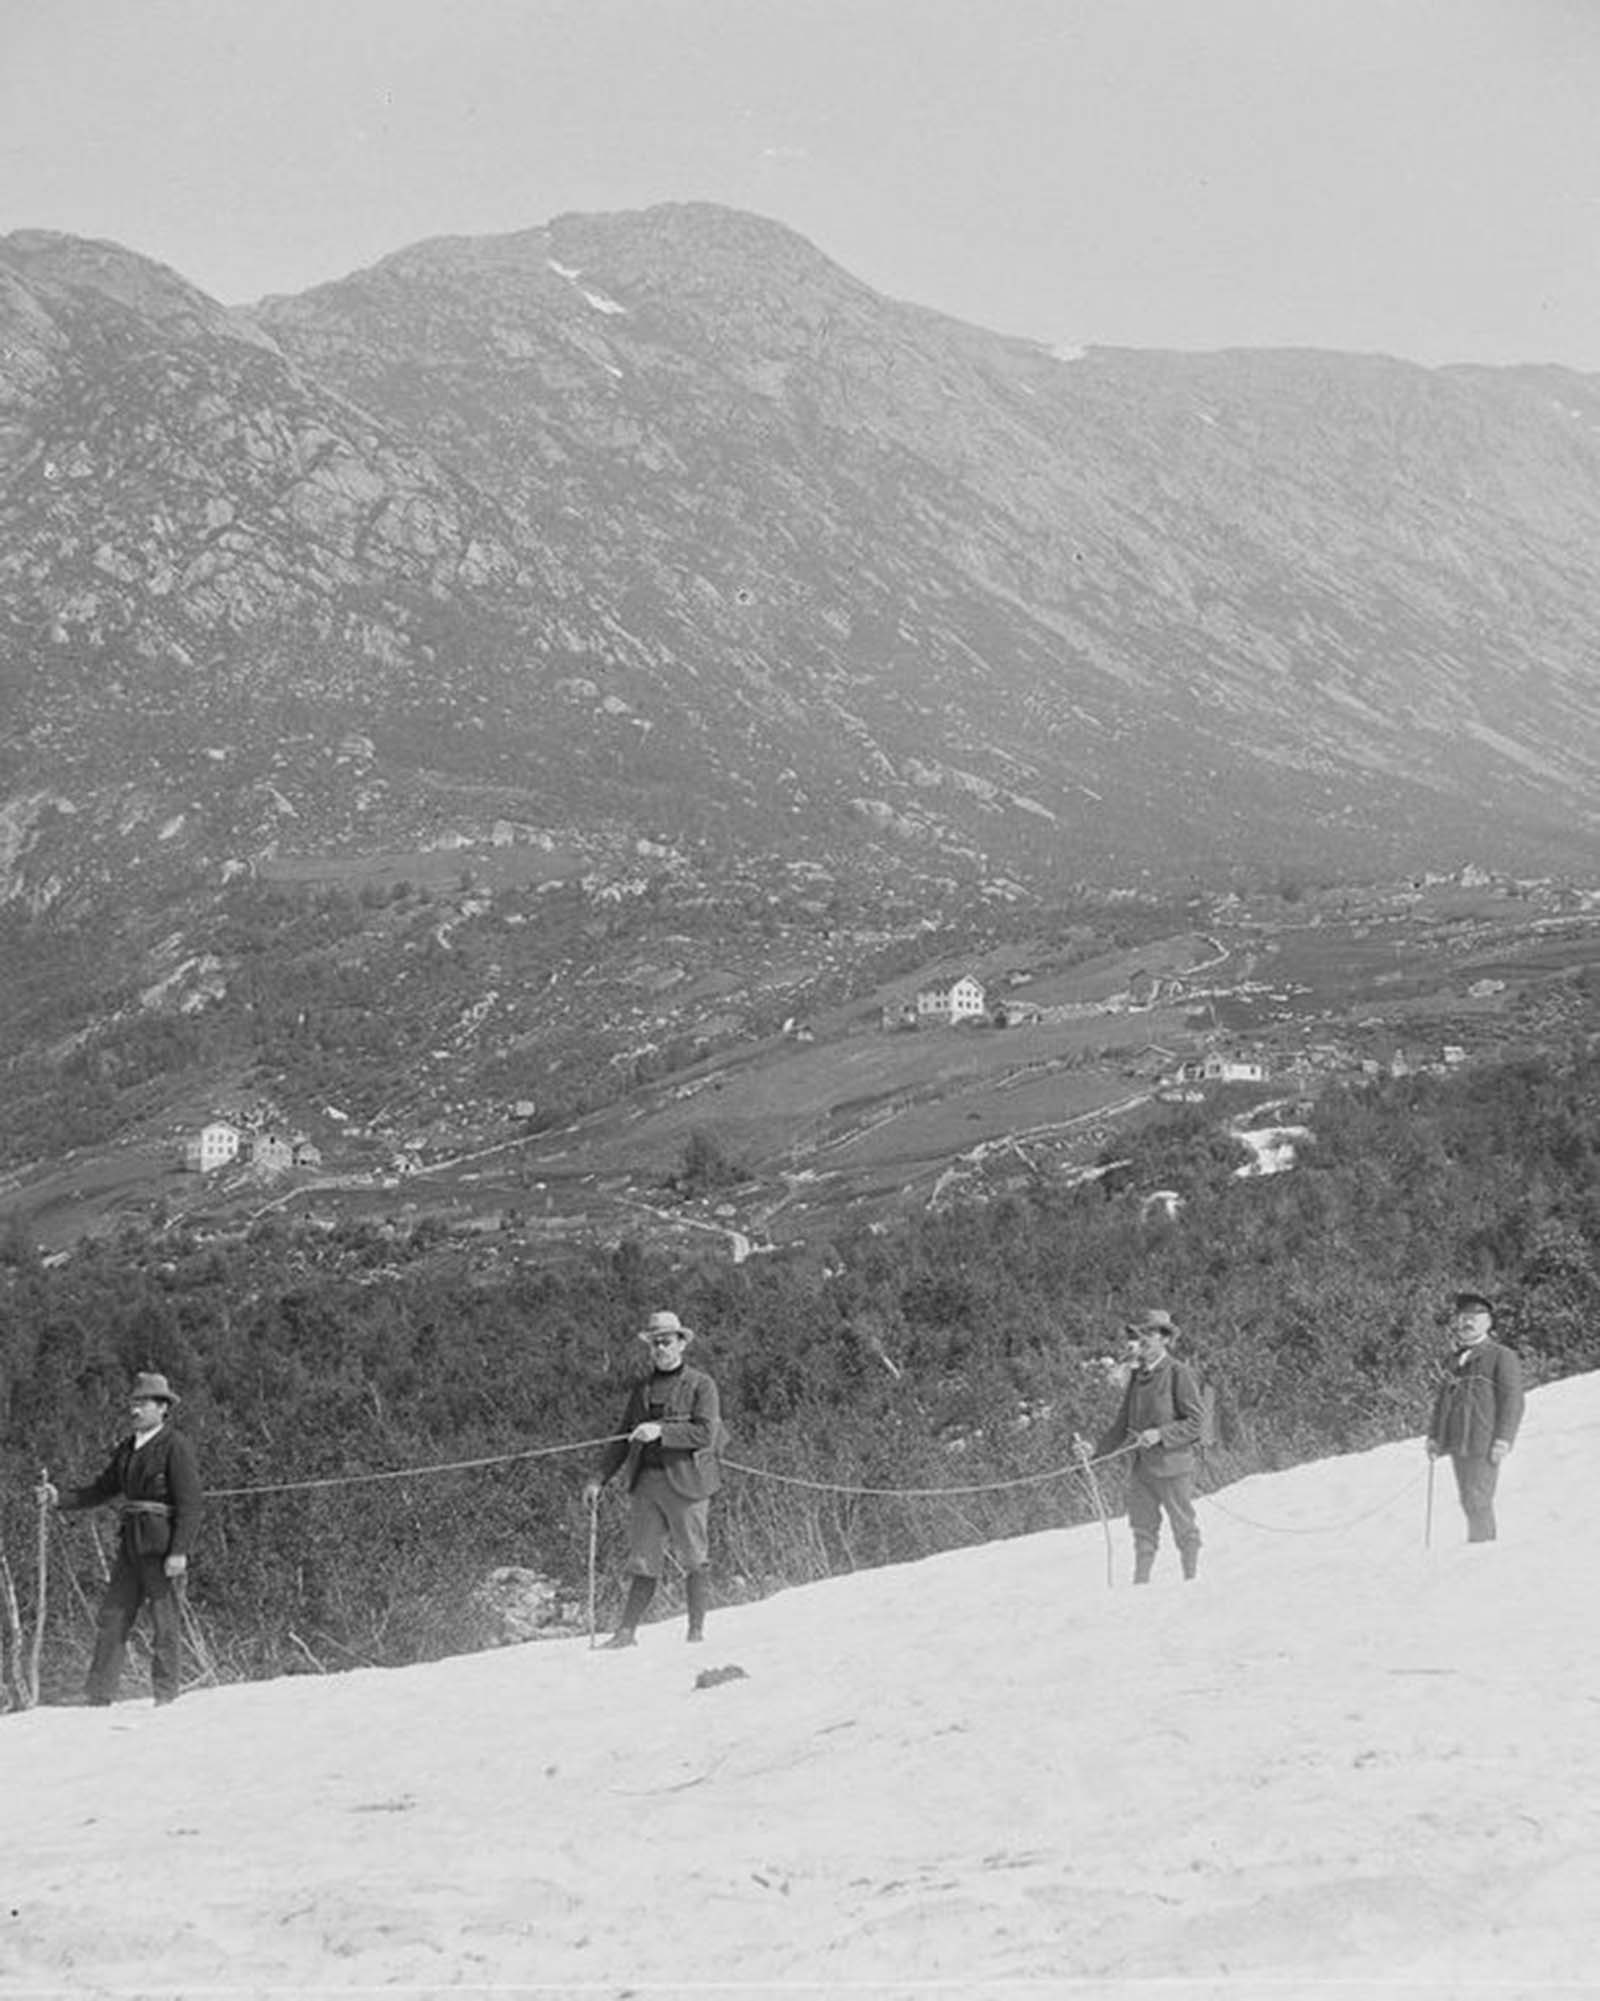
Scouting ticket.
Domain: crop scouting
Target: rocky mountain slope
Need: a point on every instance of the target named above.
(664, 514)
(658, 542)
(1067, 613)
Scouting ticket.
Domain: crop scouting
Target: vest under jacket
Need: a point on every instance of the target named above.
(690, 1414)
(1479, 1401)
(1165, 1398)
(162, 1478)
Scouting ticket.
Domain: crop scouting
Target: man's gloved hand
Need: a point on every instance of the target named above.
(1152, 1436)
(47, 1494)
(646, 1433)
(1498, 1450)
(591, 1493)
(1433, 1449)
(176, 1566)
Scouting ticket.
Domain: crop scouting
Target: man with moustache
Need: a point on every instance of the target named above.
(152, 1481)
(1159, 1422)
(1477, 1411)
(672, 1427)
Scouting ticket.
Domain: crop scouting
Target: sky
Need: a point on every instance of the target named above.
(1415, 177)
(1356, 1757)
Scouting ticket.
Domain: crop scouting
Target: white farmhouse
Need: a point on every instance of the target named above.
(1215, 1069)
(958, 1000)
(214, 1145)
(1233, 1070)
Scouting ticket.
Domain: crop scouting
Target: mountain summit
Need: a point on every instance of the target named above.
(663, 524)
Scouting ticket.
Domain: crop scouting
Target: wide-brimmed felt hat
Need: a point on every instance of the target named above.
(1154, 1320)
(664, 1323)
(149, 1384)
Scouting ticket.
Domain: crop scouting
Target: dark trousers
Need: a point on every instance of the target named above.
(136, 1581)
(1475, 1482)
(1149, 1496)
(658, 1515)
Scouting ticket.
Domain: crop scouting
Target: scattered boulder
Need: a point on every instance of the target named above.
(512, 1604)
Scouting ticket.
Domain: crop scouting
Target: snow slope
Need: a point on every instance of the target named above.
(1336, 1758)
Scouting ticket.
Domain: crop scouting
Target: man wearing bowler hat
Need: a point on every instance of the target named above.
(672, 1427)
(1477, 1411)
(1159, 1426)
(152, 1482)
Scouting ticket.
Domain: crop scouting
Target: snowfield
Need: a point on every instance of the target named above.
(1338, 1759)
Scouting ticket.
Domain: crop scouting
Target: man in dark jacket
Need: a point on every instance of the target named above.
(152, 1482)
(1477, 1411)
(1159, 1423)
(673, 1426)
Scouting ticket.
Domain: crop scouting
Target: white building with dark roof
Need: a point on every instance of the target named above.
(214, 1145)
(960, 999)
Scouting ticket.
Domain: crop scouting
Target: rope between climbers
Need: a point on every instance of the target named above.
(1076, 1466)
(413, 1472)
(926, 1493)
(1321, 1528)
(618, 1438)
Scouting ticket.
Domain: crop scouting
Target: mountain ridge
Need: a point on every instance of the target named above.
(574, 518)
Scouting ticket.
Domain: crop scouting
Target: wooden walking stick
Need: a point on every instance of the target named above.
(41, 1588)
(1427, 1518)
(594, 1536)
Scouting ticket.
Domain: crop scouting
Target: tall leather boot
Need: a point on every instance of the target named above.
(1191, 1562)
(1143, 1563)
(640, 1591)
(697, 1588)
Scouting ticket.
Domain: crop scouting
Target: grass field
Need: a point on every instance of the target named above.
(508, 867)
(867, 1118)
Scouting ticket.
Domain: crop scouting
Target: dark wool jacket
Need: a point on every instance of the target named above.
(163, 1469)
(1166, 1397)
(686, 1404)
(1479, 1401)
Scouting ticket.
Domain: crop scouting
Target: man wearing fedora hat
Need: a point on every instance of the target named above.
(1477, 1411)
(671, 1430)
(1158, 1425)
(153, 1483)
